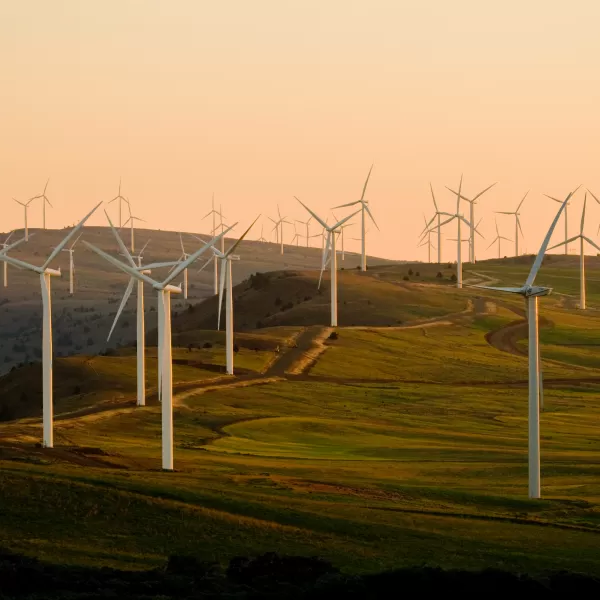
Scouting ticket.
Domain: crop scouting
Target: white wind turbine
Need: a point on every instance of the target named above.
(472, 202)
(71, 250)
(45, 273)
(121, 199)
(582, 239)
(6, 247)
(438, 214)
(331, 235)
(140, 322)
(184, 256)
(426, 241)
(531, 294)
(364, 207)
(518, 228)
(307, 225)
(44, 202)
(226, 281)
(279, 227)
(164, 289)
(341, 235)
(566, 217)
(215, 213)
(25, 206)
(131, 221)
(498, 239)
(296, 238)
(459, 218)
(262, 237)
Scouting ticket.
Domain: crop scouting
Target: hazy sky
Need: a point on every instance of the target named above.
(262, 100)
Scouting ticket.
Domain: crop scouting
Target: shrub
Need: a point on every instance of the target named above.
(418, 274)
(453, 278)
(410, 271)
(207, 345)
(439, 275)
(236, 348)
(406, 278)
(334, 335)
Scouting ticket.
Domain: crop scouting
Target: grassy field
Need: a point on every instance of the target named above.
(398, 446)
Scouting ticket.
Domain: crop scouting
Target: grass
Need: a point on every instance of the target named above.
(399, 447)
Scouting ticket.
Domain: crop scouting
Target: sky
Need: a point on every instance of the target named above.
(258, 102)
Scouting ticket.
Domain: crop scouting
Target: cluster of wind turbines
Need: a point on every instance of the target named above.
(441, 218)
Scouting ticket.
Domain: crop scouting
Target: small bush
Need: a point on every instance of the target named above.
(410, 271)
(334, 335)
(207, 345)
(453, 278)
(406, 278)
(439, 275)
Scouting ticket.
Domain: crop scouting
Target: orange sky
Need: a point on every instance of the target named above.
(259, 101)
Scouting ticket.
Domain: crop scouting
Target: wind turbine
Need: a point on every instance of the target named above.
(426, 242)
(531, 294)
(296, 238)
(25, 206)
(140, 323)
(226, 258)
(582, 238)
(331, 235)
(566, 217)
(498, 239)
(518, 228)
(472, 203)
(341, 235)
(184, 256)
(44, 202)
(71, 250)
(439, 215)
(121, 199)
(131, 221)
(262, 237)
(6, 247)
(459, 218)
(164, 289)
(279, 227)
(214, 214)
(364, 207)
(307, 224)
(45, 273)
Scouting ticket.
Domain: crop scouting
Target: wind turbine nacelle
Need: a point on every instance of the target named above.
(537, 291)
(53, 272)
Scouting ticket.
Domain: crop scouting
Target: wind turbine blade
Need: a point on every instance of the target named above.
(221, 288)
(492, 244)
(344, 205)
(9, 236)
(19, 202)
(362, 198)
(186, 263)
(14, 244)
(181, 243)
(325, 256)
(587, 239)
(132, 271)
(126, 295)
(433, 197)
(575, 237)
(340, 223)
(76, 240)
(523, 200)
(444, 223)
(503, 212)
(230, 251)
(497, 232)
(370, 215)
(19, 263)
(145, 246)
(540, 257)
(458, 195)
(510, 290)
(552, 198)
(159, 265)
(594, 196)
(206, 264)
(72, 233)
(484, 191)
(323, 223)
(122, 246)
(519, 226)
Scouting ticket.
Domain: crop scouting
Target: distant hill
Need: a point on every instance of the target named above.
(82, 322)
